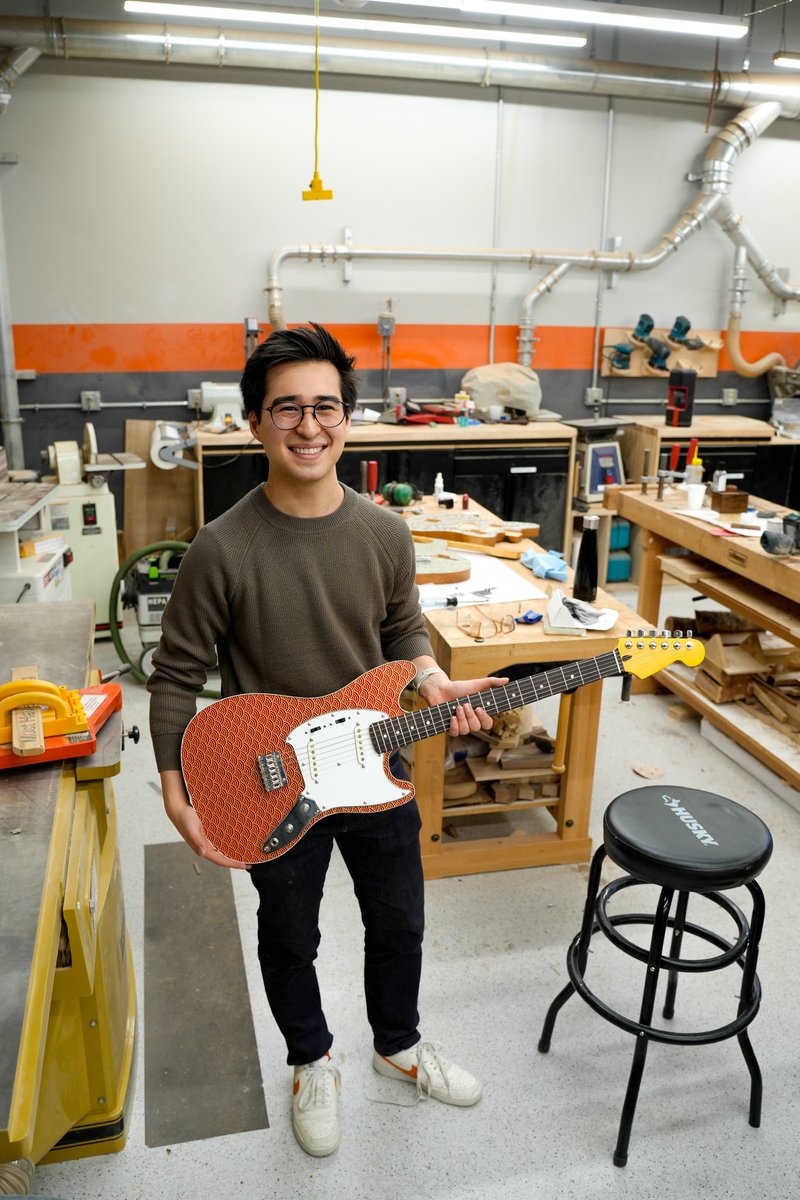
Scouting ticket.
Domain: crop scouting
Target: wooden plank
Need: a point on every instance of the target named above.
(753, 601)
(27, 727)
(686, 569)
(783, 759)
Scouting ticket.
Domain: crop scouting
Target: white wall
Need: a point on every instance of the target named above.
(151, 200)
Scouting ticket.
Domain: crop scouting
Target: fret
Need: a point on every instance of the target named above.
(400, 731)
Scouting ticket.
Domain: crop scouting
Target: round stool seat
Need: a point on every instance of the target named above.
(682, 838)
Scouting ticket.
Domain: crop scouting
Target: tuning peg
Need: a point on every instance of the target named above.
(653, 633)
(689, 633)
(678, 633)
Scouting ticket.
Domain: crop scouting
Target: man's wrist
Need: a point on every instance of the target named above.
(421, 676)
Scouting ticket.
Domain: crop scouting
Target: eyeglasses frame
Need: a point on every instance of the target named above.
(303, 407)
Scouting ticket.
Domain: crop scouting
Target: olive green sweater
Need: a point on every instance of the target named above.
(288, 605)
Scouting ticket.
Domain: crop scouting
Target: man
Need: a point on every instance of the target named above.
(297, 590)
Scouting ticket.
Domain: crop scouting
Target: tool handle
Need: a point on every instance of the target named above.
(674, 456)
(372, 476)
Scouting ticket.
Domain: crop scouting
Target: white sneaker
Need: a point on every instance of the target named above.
(433, 1074)
(315, 1106)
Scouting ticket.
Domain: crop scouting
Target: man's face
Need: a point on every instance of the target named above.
(308, 453)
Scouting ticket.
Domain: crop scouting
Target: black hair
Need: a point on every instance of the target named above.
(308, 343)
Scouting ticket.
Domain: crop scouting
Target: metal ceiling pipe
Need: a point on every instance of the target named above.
(81, 39)
(14, 65)
(17, 62)
(525, 337)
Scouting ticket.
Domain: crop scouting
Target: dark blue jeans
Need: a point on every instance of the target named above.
(382, 853)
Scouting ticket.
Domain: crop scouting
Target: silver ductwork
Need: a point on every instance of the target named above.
(203, 45)
(715, 181)
(763, 98)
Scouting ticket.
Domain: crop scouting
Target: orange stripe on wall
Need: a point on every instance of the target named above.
(111, 349)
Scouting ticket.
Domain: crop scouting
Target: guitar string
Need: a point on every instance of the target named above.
(417, 724)
(439, 715)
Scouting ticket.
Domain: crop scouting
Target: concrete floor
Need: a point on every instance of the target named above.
(495, 947)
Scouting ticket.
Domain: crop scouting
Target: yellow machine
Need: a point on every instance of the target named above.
(67, 996)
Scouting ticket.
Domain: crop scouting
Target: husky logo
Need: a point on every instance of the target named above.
(691, 824)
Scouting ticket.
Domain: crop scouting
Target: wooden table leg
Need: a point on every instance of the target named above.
(429, 786)
(576, 782)
(649, 601)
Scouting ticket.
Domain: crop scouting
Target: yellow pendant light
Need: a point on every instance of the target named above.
(316, 189)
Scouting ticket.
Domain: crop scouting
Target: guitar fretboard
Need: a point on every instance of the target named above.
(395, 732)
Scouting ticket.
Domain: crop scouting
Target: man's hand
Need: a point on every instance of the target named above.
(438, 689)
(187, 822)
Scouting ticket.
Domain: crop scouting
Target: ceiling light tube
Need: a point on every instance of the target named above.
(437, 58)
(650, 20)
(254, 16)
(785, 58)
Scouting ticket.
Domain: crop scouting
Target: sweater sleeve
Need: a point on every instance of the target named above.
(403, 632)
(195, 618)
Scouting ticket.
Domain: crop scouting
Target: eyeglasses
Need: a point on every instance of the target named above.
(327, 413)
(480, 626)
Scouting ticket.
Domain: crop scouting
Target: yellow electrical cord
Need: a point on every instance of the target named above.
(316, 190)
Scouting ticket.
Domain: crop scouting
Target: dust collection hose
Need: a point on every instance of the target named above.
(114, 625)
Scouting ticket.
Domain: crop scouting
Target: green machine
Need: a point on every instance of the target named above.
(67, 994)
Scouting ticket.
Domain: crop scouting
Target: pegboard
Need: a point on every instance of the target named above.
(704, 361)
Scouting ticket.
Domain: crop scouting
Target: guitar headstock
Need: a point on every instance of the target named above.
(645, 652)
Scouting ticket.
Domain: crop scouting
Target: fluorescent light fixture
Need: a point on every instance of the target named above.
(784, 58)
(436, 58)
(650, 20)
(256, 16)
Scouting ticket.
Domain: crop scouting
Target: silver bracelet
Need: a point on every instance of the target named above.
(421, 676)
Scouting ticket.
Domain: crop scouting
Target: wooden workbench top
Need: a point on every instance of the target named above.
(741, 555)
(380, 434)
(706, 427)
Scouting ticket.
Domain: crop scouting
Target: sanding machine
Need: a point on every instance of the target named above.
(82, 509)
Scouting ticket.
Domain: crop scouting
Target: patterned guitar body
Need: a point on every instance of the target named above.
(261, 769)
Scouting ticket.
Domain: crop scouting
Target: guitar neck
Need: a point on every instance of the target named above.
(394, 732)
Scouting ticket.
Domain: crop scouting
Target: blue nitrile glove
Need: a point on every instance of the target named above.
(549, 564)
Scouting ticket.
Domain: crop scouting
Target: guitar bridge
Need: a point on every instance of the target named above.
(273, 775)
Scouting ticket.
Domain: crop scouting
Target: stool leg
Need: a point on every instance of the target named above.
(675, 952)
(584, 941)
(645, 1018)
(748, 978)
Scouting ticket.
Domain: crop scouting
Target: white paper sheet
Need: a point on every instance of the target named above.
(503, 584)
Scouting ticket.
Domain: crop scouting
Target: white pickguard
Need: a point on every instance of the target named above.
(340, 766)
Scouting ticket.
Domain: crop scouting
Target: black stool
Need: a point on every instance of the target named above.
(683, 841)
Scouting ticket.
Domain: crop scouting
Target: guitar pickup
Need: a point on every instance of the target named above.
(270, 768)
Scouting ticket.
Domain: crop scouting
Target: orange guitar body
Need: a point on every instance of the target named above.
(225, 742)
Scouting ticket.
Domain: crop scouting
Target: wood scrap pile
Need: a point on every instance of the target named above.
(517, 768)
(758, 670)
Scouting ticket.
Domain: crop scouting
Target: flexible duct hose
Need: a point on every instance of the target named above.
(739, 364)
(165, 549)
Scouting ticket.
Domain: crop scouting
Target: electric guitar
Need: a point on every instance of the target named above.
(261, 769)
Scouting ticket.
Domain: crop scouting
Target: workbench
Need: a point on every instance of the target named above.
(67, 999)
(769, 464)
(738, 574)
(567, 839)
(521, 472)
